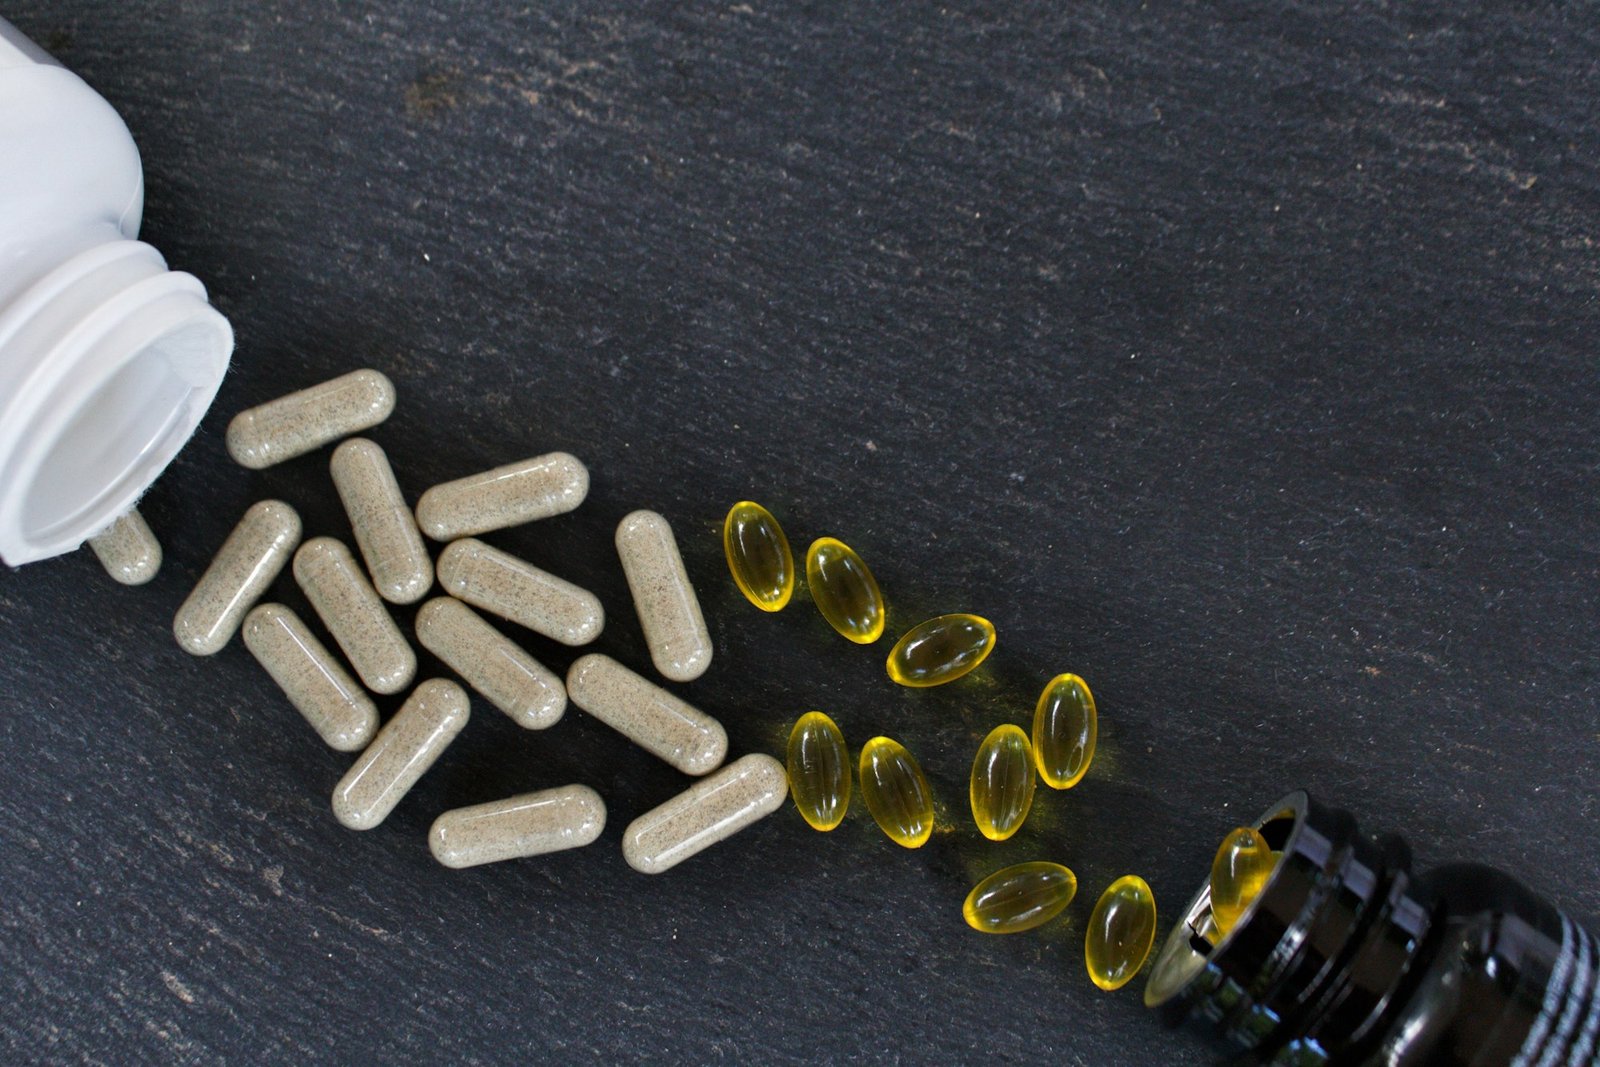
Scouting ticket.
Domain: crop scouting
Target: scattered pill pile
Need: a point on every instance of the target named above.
(332, 688)
(1005, 771)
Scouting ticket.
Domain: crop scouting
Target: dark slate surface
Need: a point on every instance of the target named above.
(1241, 358)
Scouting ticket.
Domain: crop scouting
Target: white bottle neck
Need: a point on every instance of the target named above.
(108, 361)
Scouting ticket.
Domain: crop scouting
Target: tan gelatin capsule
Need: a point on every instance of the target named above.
(515, 589)
(128, 550)
(527, 825)
(349, 607)
(491, 663)
(647, 715)
(519, 492)
(674, 628)
(402, 752)
(386, 531)
(711, 810)
(311, 677)
(245, 565)
(303, 422)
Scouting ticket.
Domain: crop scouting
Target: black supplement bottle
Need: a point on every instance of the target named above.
(1347, 957)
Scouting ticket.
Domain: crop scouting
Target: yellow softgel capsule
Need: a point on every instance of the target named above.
(845, 591)
(1002, 782)
(1122, 930)
(1019, 898)
(1239, 872)
(940, 650)
(819, 770)
(1064, 730)
(758, 555)
(896, 792)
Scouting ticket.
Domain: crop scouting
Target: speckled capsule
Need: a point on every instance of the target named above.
(531, 824)
(712, 810)
(409, 743)
(758, 555)
(349, 607)
(940, 650)
(819, 771)
(1065, 726)
(128, 550)
(1019, 898)
(524, 491)
(649, 716)
(896, 792)
(302, 422)
(385, 529)
(493, 664)
(311, 677)
(845, 591)
(1239, 872)
(246, 564)
(1122, 929)
(1002, 782)
(515, 589)
(669, 612)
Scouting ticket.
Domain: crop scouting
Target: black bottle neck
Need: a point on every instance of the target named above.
(1347, 958)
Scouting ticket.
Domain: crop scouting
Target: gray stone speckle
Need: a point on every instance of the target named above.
(511, 495)
(384, 527)
(243, 568)
(515, 589)
(128, 550)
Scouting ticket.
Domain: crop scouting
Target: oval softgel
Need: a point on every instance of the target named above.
(940, 650)
(1065, 727)
(1002, 782)
(819, 771)
(845, 591)
(1239, 872)
(1019, 898)
(758, 555)
(896, 792)
(1122, 930)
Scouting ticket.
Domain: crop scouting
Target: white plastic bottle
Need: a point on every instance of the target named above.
(108, 360)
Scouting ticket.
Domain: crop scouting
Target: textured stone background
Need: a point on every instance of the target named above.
(1240, 357)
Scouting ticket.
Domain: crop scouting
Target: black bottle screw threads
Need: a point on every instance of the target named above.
(1347, 957)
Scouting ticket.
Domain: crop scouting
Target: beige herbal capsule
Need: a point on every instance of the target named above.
(527, 825)
(515, 589)
(386, 531)
(491, 663)
(311, 677)
(402, 752)
(674, 628)
(520, 492)
(303, 422)
(647, 715)
(349, 607)
(128, 550)
(711, 810)
(244, 567)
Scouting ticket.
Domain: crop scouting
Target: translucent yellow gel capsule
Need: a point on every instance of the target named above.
(940, 650)
(845, 591)
(1019, 898)
(1064, 729)
(819, 771)
(758, 555)
(1239, 872)
(896, 792)
(1122, 930)
(1002, 782)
